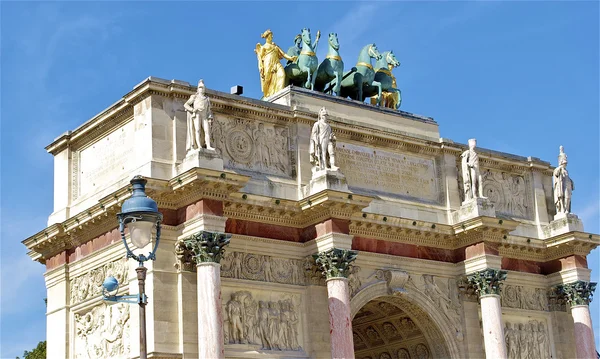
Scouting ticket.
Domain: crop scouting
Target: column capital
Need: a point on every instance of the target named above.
(207, 246)
(577, 293)
(335, 262)
(487, 281)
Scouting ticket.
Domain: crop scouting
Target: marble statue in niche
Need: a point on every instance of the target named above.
(199, 120)
(272, 325)
(102, 332)
(322, 144)
(563, 185)
(472, 180)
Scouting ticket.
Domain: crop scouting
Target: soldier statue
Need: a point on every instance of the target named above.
(322, 144)
(472, 180)
(563, 185)
(199, 120)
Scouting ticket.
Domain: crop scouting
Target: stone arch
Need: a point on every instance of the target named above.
(437, 329)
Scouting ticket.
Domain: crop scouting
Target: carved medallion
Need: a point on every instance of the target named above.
(240, 146)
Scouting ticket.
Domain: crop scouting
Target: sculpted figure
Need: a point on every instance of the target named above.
(272, 75)
(543, 342)
(199, 120)
(563, 185)
(234, 312)
(512, 345)
(296, 49)
(322, 144)
(472, 180)
(263, 325)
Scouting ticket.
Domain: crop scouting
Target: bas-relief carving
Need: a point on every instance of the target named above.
(102, 332)
(516, 296)
(401, 174)
(254, 146)
(264, 268)
(263, 322)
(90, 284)
(527, 340)
(508, 192)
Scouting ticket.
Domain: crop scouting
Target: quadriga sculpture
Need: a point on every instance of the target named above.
(302, 71)
(332, 68)
(354, 83)
(391, 96)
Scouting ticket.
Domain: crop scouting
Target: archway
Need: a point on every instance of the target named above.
(400, 325)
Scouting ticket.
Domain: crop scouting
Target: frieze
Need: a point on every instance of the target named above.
(89, 285)
(264, 322)
(510, 193)
(254, 146)
(103, 332)
(250, 266)
(520, 297)
(527, 340)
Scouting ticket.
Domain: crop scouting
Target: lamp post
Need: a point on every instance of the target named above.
(140, 215)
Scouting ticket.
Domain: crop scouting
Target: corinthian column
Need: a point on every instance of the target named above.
(579, 295)
(335, 264)
(208, 248)
(487, 284)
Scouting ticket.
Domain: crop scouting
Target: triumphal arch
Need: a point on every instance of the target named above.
(352, 231)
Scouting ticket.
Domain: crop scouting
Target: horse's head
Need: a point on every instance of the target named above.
(333, 41)
(306, 36)
(391, 59)
(373, 52)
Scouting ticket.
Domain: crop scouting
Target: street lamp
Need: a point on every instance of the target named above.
(140, 215)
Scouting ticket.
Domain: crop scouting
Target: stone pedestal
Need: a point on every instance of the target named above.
(326, 179)
(340, 321)
(210, 316)
(584, 334)
(493, 331)
(473, 208)
(201, 158)
(563, 223)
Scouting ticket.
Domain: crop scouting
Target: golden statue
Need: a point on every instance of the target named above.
(272, 75)
(388, 99)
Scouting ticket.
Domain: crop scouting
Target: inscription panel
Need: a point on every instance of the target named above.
(382, 171)
(107, 160)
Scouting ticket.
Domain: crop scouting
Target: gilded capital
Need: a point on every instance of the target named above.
(487, 281)
(578, 293)
(336, 263)
(207, 246)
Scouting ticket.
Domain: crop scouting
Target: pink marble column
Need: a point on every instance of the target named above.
(493, 331)
(340, 322)
(584, 332)
(210, 313)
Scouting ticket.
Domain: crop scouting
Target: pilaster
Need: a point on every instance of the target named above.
(57, 313)
(579, 295)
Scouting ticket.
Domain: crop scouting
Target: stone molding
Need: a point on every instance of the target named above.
(336, 262)
(488, 281)
(207, 246)
(578, 293)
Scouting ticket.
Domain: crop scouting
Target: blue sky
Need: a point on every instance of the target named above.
(521, 77)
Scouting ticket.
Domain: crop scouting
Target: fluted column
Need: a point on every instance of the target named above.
(335, 264)
(579, 295)
(487, 284)
(208, 248)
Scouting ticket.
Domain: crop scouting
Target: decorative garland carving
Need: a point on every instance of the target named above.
(89, 284)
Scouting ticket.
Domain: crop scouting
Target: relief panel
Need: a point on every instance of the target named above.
(527, 338)
(254, 146)
(265, 320)
(510, 193)
(102, 332)
(520, 297)
(89, 284)
(401, 174)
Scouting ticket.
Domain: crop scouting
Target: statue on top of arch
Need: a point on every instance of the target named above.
(361, 82)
